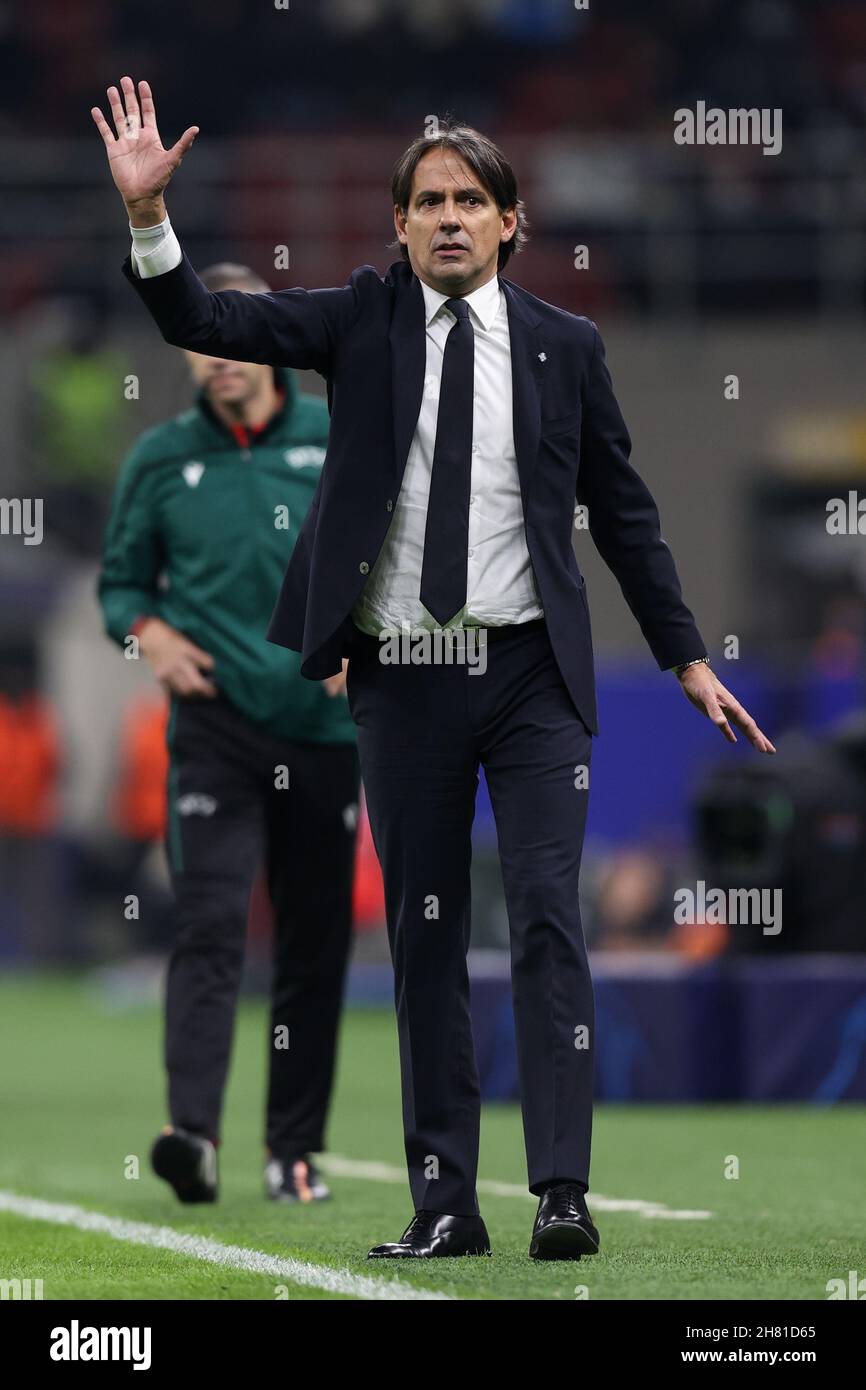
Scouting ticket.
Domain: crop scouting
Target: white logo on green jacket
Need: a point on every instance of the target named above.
(192, 472)
(305, 456)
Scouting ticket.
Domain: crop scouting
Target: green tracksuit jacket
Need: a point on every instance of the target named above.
(200, 533)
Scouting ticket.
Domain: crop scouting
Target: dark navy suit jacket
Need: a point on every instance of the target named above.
(368, 341)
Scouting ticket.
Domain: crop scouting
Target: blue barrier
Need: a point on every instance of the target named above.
(738, 1029)
(671, 1031)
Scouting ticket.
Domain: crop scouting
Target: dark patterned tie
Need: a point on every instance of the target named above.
(446, 538)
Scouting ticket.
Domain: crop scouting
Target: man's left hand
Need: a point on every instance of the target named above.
(336, 685)
(706, 692)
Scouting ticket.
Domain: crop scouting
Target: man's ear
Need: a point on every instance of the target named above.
(508, 233)
(400, 222)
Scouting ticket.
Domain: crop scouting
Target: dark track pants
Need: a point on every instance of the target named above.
(224, 811)
(422, 732)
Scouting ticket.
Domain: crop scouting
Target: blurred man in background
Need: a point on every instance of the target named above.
(204, 519)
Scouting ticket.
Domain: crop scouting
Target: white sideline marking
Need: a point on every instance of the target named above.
(372, 1171)
(340, 1281)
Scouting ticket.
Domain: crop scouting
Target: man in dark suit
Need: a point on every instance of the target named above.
(468, 418)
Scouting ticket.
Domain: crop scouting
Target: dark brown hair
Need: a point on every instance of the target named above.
(487, 162)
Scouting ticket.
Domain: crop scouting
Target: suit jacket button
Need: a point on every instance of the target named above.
(389, 505)
(364, 567)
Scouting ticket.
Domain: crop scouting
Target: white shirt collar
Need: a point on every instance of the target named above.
(483, 302)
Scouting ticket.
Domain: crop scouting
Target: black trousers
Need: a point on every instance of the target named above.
(226, 810)
(422, 733)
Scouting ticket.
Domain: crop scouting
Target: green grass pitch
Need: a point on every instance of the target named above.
(82, 1091)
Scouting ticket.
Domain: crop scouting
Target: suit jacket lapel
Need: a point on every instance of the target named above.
(527, 378)
(408, 341)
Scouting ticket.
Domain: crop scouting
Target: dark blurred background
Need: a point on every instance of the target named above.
(702, 263)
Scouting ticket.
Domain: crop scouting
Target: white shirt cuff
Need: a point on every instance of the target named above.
(155, 250)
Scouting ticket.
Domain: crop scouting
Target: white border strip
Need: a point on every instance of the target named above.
(311, 1276)
(371, 1171)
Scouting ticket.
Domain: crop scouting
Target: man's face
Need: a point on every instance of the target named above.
(452, 227)
(230, 384)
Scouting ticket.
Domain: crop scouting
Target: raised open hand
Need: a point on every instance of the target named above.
(140, 166)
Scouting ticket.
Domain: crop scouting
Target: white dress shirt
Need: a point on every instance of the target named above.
(500, 586)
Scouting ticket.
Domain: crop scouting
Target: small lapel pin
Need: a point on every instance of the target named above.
(542, 357)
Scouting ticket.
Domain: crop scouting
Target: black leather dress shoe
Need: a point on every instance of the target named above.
(434, 1233)
(188, 1162)
(563, 1229)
